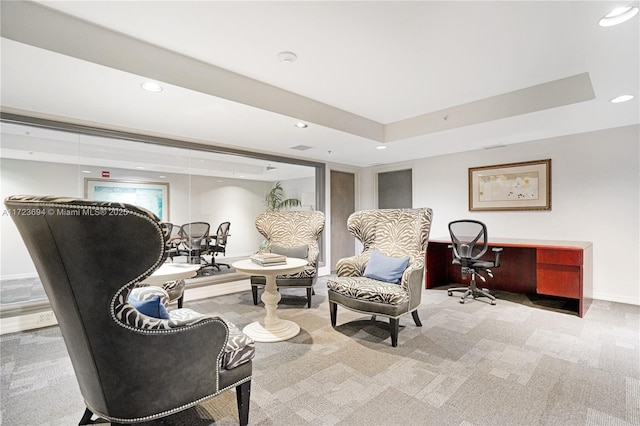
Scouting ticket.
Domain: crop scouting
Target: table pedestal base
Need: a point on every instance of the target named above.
(280, 331)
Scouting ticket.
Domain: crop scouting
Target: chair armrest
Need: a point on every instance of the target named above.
(352, 266)
(497, 251)
(412, 280)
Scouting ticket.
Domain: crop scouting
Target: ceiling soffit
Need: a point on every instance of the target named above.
(58, 33)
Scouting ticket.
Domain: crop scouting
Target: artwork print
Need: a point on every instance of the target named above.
(514, 186)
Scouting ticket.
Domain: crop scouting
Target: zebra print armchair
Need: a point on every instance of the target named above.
(131, 367)
(386, 279)
(293, 234)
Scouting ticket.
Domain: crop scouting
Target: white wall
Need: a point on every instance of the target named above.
(595, 197)
(19, 177)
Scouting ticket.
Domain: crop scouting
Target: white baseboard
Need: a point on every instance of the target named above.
(47, 318)
(217, 290)
(27, 322)
(19, 276)
(615, 298)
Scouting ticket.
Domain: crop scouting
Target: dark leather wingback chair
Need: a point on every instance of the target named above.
(389, 234)
(293, 234)
(130, 367)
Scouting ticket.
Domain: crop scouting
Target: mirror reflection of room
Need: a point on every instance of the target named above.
(180, 185)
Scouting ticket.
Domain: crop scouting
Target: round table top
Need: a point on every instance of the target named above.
(171, 272)
(247, 266)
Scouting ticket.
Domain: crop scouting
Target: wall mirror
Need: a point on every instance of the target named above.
(203, 183)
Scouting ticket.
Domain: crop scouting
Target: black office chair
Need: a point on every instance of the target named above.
(194, 240)
(218, 244)
(174, 239)
(470, 243)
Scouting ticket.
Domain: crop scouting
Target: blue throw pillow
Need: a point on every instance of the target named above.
(151, 307)
(385, 268)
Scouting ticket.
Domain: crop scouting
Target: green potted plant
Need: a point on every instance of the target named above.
(275, 199)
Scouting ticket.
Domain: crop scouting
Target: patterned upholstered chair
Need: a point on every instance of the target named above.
(90, 255)
(294, 234)
(386, 279)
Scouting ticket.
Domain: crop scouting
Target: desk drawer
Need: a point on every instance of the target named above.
(559, 280)
(559, 257)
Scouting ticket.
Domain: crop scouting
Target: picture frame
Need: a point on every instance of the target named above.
(510, 187)
(153, 196)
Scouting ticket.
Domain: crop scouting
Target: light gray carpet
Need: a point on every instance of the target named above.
(471, 364)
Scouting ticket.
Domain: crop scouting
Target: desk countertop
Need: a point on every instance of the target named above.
(524, 242)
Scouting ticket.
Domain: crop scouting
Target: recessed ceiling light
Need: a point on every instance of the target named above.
(86, 171)
(621, 98)
(139, 167)
(301, 125)
(151, 86)
(287, 57)
(618, 16)
(381, 147)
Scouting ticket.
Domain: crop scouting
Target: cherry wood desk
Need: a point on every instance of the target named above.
(547, 267)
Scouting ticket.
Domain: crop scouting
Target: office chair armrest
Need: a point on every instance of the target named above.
(497, 251)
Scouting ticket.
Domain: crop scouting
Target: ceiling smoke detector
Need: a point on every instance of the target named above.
(287, 57)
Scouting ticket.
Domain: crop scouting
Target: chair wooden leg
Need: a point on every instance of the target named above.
(86, 417)
(416, 318)
(309, 290)
(254, 291)
(333, 310)
(394, 325)
(243, 392)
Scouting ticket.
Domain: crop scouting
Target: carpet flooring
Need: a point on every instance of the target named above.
(469, 364)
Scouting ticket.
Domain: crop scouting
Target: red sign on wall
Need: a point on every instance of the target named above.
(106, 173)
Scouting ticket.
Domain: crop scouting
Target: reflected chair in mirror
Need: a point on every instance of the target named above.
(218, 244)
(293, 234)
(469, 245)
(386, 279)
(194, 241)
(175, 288)
(134, 362)
(174, 239)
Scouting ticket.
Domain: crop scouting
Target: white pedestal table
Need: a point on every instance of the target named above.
(171, 272)
(272, 328)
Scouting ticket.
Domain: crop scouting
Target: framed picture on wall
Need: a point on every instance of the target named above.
(514, 186)
(153, 196)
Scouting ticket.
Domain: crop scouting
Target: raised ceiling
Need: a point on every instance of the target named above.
(423, 78)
